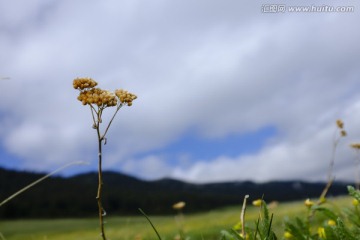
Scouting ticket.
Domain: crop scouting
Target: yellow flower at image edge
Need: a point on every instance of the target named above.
(355, 202)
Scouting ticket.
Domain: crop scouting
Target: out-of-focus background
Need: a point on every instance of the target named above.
(227, 90)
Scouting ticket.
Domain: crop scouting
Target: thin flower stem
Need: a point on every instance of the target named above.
(100, 183)
(107, 128)
(92, 114)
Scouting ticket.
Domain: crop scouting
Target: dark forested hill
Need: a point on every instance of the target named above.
(123, 195)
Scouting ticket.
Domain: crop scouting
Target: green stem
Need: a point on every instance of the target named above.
(40, 180)
(152, 225)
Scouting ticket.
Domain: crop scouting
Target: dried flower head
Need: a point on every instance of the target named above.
(355, 146)
(98, 96)
(179, 205)
(340, 123)
(84, 83)
(125, 97)
(343, 133)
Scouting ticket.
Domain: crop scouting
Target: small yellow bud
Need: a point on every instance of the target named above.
(355, 202)
(257, 202)
(322, 200)
(308, 203)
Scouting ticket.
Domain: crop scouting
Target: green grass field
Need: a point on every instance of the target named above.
(206, 225)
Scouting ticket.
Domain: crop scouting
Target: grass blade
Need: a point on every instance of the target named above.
(152, 225)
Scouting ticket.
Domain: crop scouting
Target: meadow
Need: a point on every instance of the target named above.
(206, 225)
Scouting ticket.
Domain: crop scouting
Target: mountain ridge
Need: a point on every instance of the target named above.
(74, 196)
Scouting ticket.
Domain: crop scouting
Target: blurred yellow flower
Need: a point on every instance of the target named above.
(355, 202)
(287, 235)
(321, 232)
(179, 205)
(257, 202)
(331, 222)
(246, 236)
(322, 200)
(308, 203)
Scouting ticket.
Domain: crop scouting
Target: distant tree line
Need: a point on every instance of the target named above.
(60, 197)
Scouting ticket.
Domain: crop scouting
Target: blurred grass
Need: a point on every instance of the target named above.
(205, 225)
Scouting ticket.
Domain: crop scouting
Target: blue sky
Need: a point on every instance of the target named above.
(225, 91)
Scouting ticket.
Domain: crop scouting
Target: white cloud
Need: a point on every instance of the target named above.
(216, 68)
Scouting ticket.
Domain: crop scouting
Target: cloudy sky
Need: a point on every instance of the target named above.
(226, 90)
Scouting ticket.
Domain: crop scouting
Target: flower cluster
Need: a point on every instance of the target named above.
(98, 96)
(102, 98)
(83, 83)
(125, 96)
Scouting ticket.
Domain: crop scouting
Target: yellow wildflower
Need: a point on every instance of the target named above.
(308, 203)
(257, 202)
(322, 200)
(246, 236)
(355, 202)
(331, 222)
(287, 235)
(321, 232)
